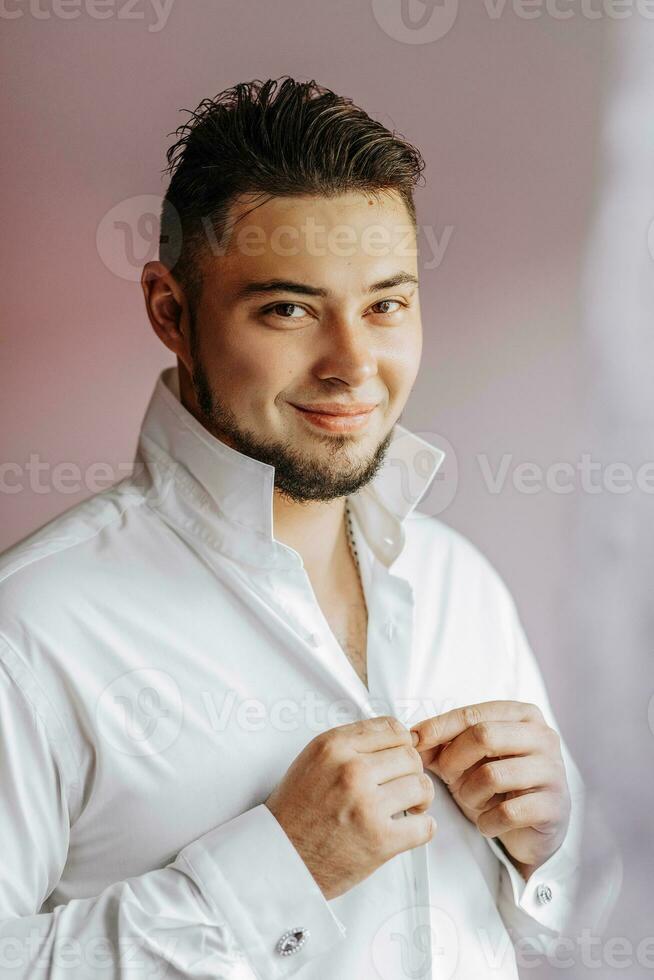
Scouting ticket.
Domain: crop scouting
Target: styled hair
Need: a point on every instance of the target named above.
(278, 138)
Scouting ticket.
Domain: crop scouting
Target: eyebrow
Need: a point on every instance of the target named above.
(256, 288)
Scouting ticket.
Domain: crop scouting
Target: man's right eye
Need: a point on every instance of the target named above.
(286, 307)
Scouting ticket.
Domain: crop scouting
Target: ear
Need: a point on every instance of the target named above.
(167, 310)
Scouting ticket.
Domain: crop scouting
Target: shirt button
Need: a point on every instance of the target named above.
(292, 940)
(544, 894)
(390, 629)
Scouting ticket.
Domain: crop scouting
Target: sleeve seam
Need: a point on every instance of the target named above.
(66, 762)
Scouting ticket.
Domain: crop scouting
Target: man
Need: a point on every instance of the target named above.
(212, 671)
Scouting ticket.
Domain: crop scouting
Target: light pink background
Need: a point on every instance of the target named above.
(506, 114)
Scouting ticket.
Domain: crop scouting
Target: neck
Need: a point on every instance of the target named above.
(315, 529)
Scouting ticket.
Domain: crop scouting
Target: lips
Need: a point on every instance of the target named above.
(339, 418)
(334, 408)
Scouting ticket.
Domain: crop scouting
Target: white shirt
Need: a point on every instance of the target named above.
(163, 659)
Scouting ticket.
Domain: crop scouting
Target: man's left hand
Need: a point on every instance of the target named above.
(502, 764)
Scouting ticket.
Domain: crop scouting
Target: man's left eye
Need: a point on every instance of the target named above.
(385, 302)
(286, 307)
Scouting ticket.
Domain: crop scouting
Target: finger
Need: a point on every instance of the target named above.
(487, 740)
(539, 810)
(416, 790)
(410, 831)
(505, 776)
(442, 728)
(372, 734)
(386, 764)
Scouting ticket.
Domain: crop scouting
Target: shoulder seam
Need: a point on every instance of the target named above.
(59, 550)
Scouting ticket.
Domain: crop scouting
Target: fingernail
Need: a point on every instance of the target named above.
(415, 738)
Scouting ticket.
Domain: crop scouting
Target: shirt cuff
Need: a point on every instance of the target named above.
(250, 871)
(548, 894)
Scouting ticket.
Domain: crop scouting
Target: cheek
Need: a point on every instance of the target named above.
(402, 363)
(242, 369)
(253, 379)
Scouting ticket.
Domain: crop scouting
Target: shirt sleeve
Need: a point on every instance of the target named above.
(218, 910)
(549, 902)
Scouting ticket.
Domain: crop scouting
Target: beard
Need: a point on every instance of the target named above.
(298, 476)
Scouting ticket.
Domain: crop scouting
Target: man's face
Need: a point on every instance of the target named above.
(301, 310)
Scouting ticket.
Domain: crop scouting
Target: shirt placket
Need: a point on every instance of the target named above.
(392, 677)
(390, 602)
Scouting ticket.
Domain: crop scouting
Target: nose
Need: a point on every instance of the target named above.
(346, 353)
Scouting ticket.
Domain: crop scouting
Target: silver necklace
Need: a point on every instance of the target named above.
(350, 537)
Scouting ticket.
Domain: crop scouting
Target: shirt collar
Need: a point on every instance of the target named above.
(175, 446)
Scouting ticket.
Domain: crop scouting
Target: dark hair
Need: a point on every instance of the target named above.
(277, 139)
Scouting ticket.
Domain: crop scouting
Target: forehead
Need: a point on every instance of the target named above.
(340, 241)
(351, 207)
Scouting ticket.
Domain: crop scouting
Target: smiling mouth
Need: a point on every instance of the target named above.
(333, 422)
(337, 408)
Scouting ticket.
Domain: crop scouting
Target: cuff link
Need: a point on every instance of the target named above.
(544, 894)
(292, 941)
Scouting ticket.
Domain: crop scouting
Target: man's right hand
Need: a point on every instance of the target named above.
(336, 801)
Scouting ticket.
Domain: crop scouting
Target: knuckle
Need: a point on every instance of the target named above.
(471, 716)
(510, 810)
(505, 811)
(491, 774)
(326, 746)
(358, 814)
(396, 726)
(384, 723)
(318, 740)
(326, 737)
(350, 775)
(414, 757)
(481, 733)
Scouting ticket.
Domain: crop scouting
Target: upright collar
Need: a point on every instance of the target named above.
(240, 488)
